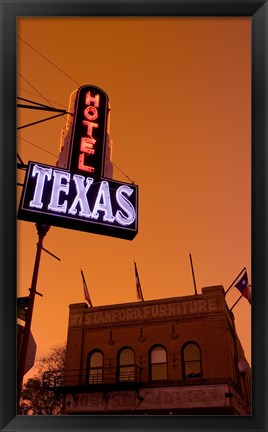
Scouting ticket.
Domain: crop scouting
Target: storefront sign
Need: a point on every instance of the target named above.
(183, 397)
(107, 316)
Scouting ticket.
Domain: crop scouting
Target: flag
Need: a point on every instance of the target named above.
(87, 296)
(138, 285)
(243, 286)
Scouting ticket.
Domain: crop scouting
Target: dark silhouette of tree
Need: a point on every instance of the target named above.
(36, 399)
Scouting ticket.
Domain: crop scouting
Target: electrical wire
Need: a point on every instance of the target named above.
(21, 161)
(49, 61)
(35, 94)
(43, 97)
(132, 181)
(68, 76)
(47, 100)
(33, 102)
(40, 148)
(39, 106)
(53, 154)
(40, 121)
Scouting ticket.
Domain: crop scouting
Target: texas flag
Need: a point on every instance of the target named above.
(243, 286)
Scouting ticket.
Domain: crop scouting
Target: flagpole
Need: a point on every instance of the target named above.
(236, 302)
(138, 285)
(234, 281)
(193, 274)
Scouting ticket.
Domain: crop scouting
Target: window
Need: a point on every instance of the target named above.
(126, 365)
(191, 360)
(95, 371)
(158, 363)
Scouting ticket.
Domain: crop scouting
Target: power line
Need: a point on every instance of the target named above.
(33, 102)
(41, 148)
(35, 94)
(123, 173)
(40, 121)
(38, 93)
(49, 61)
(43, 97)
(39, 106)
(53, 154)
(21, 161)
(68, 76)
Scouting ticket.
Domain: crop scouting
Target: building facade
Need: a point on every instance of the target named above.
(174, 356)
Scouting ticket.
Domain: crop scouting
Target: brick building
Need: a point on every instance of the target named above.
(171, 356)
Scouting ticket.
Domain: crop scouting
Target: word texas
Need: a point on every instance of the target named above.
(57, 193)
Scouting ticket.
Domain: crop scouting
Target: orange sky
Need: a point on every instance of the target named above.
(179, 90)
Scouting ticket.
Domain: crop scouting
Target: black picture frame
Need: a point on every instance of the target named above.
(10, 10)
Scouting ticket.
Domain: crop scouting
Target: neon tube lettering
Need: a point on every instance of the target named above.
(82, 166)
(95, 100)
(81, 197)
(105, 205)
(94, 112)
(90, 127)
(87, 143)
(125, 205)
(57, 188)
(42, 174)
(86, 146)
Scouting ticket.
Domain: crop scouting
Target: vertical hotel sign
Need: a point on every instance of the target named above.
(79, 196)
(89, 132)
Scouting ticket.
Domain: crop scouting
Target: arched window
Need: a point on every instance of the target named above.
(158, 363)
(191, 358)
(95, 368)
(126, 365)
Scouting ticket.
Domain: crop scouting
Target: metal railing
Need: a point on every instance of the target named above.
(53, 379)
(94, 376)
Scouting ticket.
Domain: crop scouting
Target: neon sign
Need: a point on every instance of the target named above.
(78, 196)
(88, 139)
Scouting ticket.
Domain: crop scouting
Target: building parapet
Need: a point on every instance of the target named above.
(210, 301)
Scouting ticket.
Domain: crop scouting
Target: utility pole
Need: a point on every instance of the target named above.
(42, 230)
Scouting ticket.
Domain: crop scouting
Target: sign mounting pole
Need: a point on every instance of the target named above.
(42, 230)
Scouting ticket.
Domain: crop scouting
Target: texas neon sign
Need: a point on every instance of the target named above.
(79, 197)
